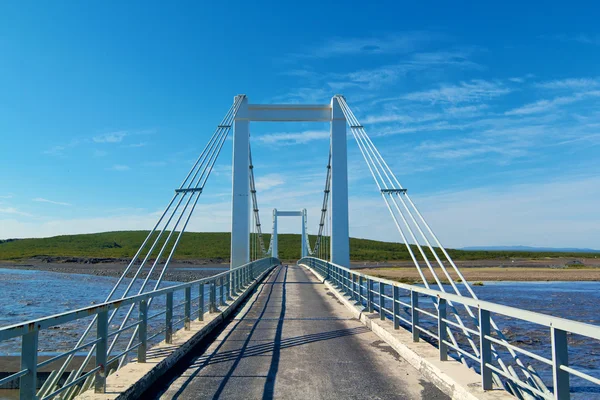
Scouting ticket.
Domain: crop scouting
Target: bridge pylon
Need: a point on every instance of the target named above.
(240, 221)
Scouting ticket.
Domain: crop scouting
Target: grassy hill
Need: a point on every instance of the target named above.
(197, 245)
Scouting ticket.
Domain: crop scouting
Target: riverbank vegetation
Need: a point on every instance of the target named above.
(216, 245)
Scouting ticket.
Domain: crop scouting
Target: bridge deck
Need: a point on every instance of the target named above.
(294, 339)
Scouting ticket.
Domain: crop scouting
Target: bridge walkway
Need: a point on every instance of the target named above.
(293, 339)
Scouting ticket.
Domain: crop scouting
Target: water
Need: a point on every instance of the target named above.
(571, 300)
(26, 295)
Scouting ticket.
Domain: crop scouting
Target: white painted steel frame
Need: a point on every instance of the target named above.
(274, 241)
(240, 224)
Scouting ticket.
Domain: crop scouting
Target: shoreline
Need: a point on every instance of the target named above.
(478, 275)
(549, 270)
(179, 271)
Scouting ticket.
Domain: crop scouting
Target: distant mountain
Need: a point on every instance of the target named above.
(532, 249)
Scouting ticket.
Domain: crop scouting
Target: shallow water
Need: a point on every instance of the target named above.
(29, 294)
(26, 295)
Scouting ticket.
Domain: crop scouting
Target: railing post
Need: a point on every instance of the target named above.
(381, 301)
(169, 319)
(228, 287)
(442, 334)
(396, 307)
(201, 302)
(348, 287)
(143, 332)
(212, 297)
(414, 314)
(233, 284)
(29, 351)
(221, 291)
(187, 308)
(361, 282)
(560, 356)
(485, 347)
(101, 349)
(369, 295)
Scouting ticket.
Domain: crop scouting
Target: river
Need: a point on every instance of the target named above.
(27, 294)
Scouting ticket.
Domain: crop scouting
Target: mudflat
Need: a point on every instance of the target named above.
(179, 271)
(538, 273)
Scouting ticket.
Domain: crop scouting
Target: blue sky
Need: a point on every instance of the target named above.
(488, 114)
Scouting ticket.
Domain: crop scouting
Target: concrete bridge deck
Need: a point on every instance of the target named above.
(294, 339)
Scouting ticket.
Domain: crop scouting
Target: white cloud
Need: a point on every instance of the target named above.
(548, 105)
(136, 145)
(570, 83)
(55, 150)
(472, 91)
(119, 167)
(269, 181)
(536, 214)
(583, 38)
(293, 138)
(7, 196)
(58, 203)
(14, 211)
(399, 43)
(111, 137)
(378, 77)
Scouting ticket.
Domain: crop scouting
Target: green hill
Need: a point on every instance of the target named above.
(199, 245)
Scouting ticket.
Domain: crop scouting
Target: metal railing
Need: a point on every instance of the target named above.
(213, 292)
(428, 314)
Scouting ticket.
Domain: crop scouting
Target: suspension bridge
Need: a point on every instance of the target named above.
(316, 329)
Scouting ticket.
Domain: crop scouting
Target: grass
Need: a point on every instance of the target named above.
(216, 245)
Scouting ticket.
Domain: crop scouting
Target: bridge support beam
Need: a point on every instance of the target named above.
(274, 252)
(304, 246)
(340, 234)
(240, 208)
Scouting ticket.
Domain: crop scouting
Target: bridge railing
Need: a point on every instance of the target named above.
(430, 315)
(212, 292)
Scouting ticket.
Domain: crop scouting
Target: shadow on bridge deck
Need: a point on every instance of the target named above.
(294, 339)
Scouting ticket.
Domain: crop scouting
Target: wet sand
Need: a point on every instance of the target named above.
(482, 274)
(526, 270)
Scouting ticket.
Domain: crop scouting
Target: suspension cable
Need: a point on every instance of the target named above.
(199, 174)
(394, 194)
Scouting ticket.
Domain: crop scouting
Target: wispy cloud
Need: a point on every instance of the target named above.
(269, 181)
(14, 211)
(7, 196)
(111, 137)
(119, 167)
(378, 77)
(570, 83)
(58, 203)
(59, 150)
(136, 145)
(548, 105)
(584, 38)
(399, 43)
(293, 138)
(472, 91)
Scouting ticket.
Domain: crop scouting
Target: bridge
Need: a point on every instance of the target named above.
(313, 329)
